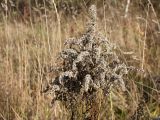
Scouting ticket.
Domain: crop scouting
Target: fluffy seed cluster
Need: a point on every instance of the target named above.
(89, 63)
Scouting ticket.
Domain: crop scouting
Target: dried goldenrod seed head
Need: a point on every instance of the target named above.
(87, 81)
(93, 12)
(90, 63)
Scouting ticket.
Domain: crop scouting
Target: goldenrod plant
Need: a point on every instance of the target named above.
(90, 64)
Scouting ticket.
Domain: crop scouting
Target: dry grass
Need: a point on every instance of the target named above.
(27, 48)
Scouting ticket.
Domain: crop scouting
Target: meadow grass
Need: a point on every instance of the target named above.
(28, 49)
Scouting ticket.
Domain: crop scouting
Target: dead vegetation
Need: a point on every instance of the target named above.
(93, 69)
(90, 64)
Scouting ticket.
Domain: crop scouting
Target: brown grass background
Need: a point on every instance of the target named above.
(31, 35)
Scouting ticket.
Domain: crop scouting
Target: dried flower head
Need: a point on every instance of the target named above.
(89, 63)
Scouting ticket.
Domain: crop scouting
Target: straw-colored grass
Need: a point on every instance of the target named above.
(28, 48)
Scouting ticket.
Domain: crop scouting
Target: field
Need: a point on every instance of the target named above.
(31, 36)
